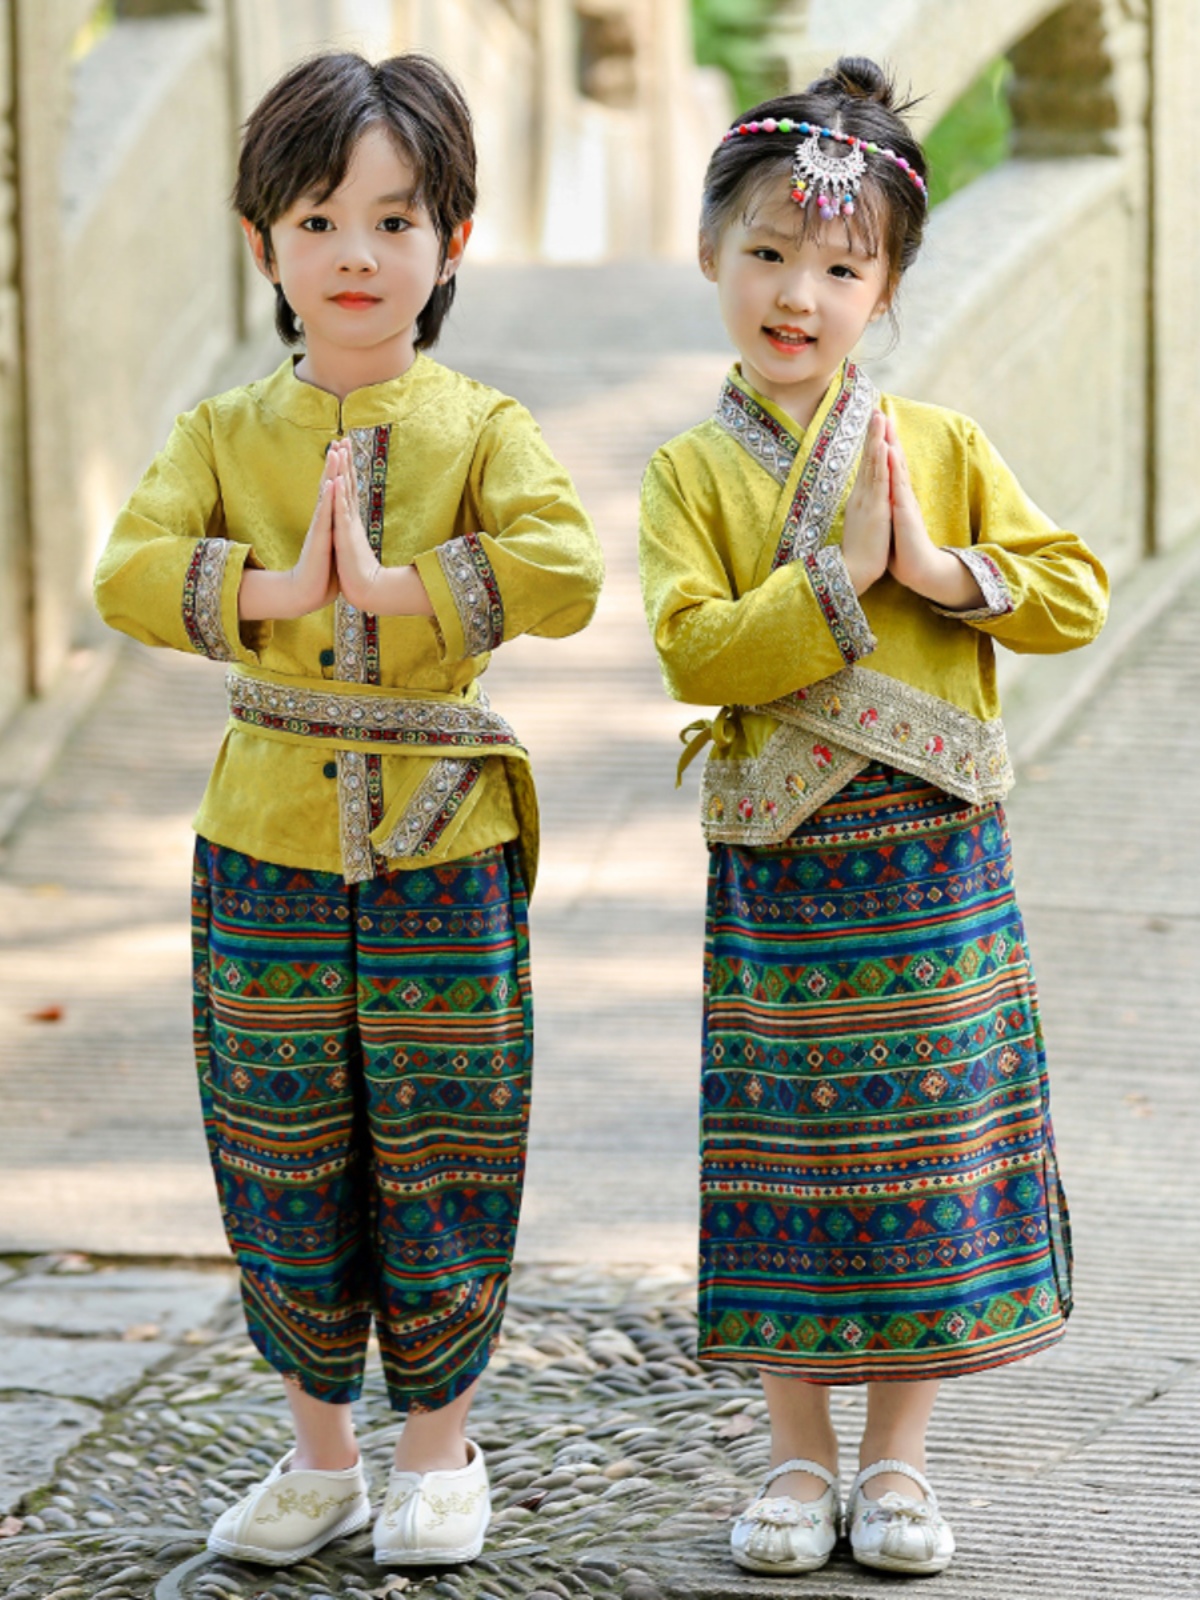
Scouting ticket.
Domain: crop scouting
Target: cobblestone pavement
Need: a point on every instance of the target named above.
(131, 1406)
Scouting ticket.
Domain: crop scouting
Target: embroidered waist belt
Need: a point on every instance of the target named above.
(360, 724)
(826, 733)
(355, 716)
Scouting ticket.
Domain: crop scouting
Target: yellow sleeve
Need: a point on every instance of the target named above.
(531, 564)
(1044, 591)
(167, 575)
(714, 648)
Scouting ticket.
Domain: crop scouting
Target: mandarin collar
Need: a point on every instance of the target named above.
(784, 418)
(372, 406)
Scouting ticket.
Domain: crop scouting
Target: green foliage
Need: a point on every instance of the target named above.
(99, 21)
(974, 135)
(731, 34)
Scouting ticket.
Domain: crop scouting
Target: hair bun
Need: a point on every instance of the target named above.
(859, 78)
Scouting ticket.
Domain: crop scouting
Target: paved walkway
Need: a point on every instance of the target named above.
(1075, 1470)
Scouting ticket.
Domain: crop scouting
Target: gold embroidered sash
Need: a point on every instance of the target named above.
(460, 731)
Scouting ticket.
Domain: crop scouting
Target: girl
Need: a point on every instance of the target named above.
(879, 1194)
(362, 1004)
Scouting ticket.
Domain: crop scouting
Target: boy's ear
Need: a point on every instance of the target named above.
(258, 249)
(707, 258)
(455, 246)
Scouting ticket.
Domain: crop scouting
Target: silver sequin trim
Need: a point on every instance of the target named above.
(425, 808)
(776, 454)
(890, 721)
(997, 596)
(206, 604)
(765, 799)
(350, 647)
(809, 522)
(470, 596)
(354, 816)
(347, 714)
(829, 731)
(852, 632)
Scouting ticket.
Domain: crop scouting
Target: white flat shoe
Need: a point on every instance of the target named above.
(434, 1517)
(895, 1533)
(291, 1514)
(785, 1535)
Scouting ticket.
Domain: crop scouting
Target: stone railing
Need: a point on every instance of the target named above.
(1056, 299)
(134, 283)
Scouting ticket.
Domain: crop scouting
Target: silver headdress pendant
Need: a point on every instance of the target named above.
(834, 180)
(827, 175)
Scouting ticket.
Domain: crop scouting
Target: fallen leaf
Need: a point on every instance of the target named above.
(141, 1332)
(10, 1527)
(736, 1427)
(46, 1014)
(532, 1500)
(73, 1262)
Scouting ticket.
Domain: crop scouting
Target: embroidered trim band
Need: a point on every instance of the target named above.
(437, 799)
(764, 800)
(356, 645)
(475, 592)
(832, 585)
(380, 720)
(828, 468)
(354, 815)
(829, 731)
(203, 587)
(997, 597)
(887, 720)
(757, 431)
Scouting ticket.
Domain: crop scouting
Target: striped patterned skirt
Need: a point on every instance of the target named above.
(364, 1054)
(879, 1192)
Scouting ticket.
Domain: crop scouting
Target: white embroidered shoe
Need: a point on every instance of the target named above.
(785, 1535)
(291, 1514)
(894, 1532)
(434, 1517)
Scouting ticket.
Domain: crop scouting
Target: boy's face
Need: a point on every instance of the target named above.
(359, 267)
(794, 306)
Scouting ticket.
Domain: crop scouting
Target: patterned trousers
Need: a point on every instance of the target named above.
(364, 1055)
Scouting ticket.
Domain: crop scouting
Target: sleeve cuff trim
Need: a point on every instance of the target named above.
(203, 593)
(997, 597)
(830, 579)
(473, 587)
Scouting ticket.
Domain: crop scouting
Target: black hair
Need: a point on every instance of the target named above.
(855, 96)
(300, 138)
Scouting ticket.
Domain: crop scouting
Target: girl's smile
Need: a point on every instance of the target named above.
(789, 340)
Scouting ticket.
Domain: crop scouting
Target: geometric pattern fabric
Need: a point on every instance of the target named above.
(364, 1055)
(879, 1190)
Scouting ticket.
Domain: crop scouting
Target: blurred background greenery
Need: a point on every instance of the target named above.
(731, 34)
(973, 136)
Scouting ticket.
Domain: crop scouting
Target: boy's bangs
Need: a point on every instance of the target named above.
(330, 159)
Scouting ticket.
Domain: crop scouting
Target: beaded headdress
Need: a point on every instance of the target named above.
(833, 180)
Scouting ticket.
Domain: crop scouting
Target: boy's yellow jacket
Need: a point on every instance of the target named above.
(752, 609)
(357, 741)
